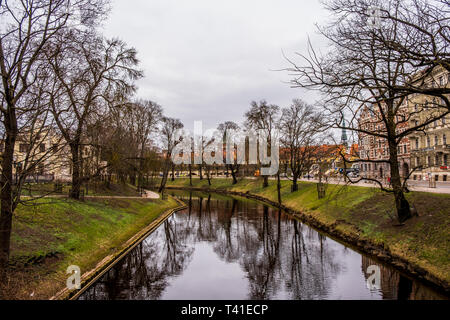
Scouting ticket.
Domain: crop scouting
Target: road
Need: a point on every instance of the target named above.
(422, 186)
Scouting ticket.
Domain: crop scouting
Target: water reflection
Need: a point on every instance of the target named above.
(228, 248)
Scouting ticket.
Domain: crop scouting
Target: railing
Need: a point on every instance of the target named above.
(40, 178)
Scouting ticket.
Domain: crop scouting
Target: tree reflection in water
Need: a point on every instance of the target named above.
(278, 257)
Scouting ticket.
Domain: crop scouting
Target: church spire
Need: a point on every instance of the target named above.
(344, 139)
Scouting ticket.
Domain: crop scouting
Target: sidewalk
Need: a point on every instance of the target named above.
(147, 194)
(420, 186)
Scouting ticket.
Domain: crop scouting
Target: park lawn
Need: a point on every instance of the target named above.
(54, 233)
(366, 212)
(96, 188)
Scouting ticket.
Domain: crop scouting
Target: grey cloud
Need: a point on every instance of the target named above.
(206, 60)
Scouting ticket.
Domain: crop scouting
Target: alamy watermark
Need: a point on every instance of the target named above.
(374, 280)
(235, 147)
(74, 280)
(374, 20)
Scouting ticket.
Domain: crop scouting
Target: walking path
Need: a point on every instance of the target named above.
(147, 194)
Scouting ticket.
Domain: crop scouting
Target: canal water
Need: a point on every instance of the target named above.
(224, 247)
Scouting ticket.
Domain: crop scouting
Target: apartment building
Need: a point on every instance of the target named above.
(47, 157)
(430, 148)
(376, 148)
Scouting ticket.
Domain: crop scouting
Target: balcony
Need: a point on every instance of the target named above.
(442, 148)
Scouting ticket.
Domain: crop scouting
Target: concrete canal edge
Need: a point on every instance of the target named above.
(379, 251)
(90, 277)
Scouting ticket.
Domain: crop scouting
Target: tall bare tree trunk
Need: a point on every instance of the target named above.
(140, 173)
(279, 187)
(6, 180)
(233, 173)
(165, 175)
(266, 181)
(200, 171)
(401, 204)
(294, 182)
(208, 176)
(76, 170)
(190, 175)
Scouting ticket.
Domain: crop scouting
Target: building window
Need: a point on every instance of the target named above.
(444, 139)
(436, 160)
(445, 160)
(436, 140)
(23, 147)
(42, 147)
(428, 141)
(417, 161)
(405, 149)
(441, 80)
(417, 143)
(429, 161)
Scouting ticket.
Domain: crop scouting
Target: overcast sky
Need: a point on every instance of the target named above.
(208, 59)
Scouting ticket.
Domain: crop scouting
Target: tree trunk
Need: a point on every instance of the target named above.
(200, 171)
(190, 175)
(76, 172)
(401, 204)
(294, 183)
(133, 179)
(266, 182)
(164, 178)
(208, 176)
(279, 187)
(6, 181)
(233, 174)
(173, 172)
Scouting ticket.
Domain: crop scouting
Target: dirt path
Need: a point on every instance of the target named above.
(147, 194)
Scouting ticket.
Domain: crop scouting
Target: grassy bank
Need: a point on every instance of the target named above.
(367, 214)
(96, 188)
(51, 234)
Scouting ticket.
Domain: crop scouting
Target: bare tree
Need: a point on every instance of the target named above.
(422, 39)
(263, 116)
(299, 126)
(362, 71)
(90, 74)
(224, 128)
(168, 130)
(26, 28)
(146, 115)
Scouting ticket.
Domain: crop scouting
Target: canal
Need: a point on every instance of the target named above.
(224, 247)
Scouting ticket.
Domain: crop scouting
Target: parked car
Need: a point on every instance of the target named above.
(353, 174)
